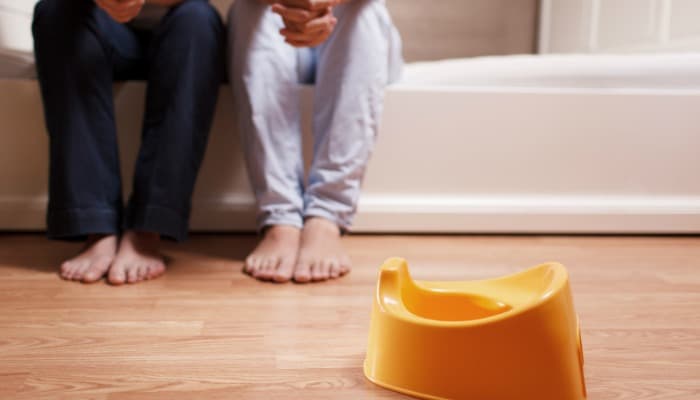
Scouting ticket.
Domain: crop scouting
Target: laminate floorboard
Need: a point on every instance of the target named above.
(205, 330)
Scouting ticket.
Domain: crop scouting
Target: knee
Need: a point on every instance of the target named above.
(57, 21)
(243, 11)
(46, 15)
(371, 14)
(198, 19)
(364, 26)
(61, 30)
(251, 24)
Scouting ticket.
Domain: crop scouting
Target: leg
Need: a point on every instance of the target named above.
(263, 74)
(360, 58)
(79, 49)
(185, 71)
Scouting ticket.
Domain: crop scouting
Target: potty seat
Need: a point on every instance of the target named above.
(510, 338)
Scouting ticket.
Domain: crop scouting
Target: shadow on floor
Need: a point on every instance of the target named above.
(34, 251)
(230, 247)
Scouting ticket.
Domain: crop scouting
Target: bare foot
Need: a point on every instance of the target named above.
(321, 255)
(138, 258)
(274, 257)
(93, 261)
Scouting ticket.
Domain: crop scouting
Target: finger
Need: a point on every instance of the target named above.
(306, 44)
(132, 11)
(108, 6)
(305, 40)
(130, 4)
(294, 26)
(291, 35)
(115, 7)
(115, 15)
(322, 24)
(316, 25)
(119, 11)
(316, 5)
(295, 14)
(311, 4)
(297, 43)
(128, 16)
(302, 36)
(317, 41)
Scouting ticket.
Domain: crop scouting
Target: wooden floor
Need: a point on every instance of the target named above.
(207, 331)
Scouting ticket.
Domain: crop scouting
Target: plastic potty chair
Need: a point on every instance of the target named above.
(515, 337)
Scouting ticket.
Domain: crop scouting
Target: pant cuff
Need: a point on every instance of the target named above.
(343, 223)
(268, 219)
(162, 220)
(78, 223)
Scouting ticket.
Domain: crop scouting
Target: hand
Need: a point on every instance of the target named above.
(121, 11)
(310, 5)
(305, 28)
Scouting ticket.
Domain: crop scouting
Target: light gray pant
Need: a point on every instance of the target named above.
(350, 71)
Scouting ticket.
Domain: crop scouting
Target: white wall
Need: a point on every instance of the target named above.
(15, 20)
(604, 26)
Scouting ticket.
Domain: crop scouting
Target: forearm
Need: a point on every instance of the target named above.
(306, 4)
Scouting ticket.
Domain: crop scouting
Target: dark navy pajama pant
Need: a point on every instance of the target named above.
(80, 52)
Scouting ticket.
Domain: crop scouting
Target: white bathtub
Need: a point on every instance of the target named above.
(508, 144)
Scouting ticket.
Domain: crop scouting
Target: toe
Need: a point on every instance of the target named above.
(97, 270)
(250, 263)
(155, 270)
(266, 269)
(257, 266)
(319, 271)
(117, 274)
(147, 272)
(66, 268)
(302, 271)
(270, 268)
(141, 274)
(326, 270)
(79, 271)
(345, 265)
(284, 271)
(334, 270)
(132, 273)
(70, 269)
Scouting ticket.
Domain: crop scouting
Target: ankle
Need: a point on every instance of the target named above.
(140, 241)
(143, 235)
(98, 242)
(277, 231)
(323, 225)
(96, 237)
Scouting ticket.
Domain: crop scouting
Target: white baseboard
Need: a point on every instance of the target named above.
(433, 214)
(529, 214)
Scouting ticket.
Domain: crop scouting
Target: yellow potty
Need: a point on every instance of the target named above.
(515, 337)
